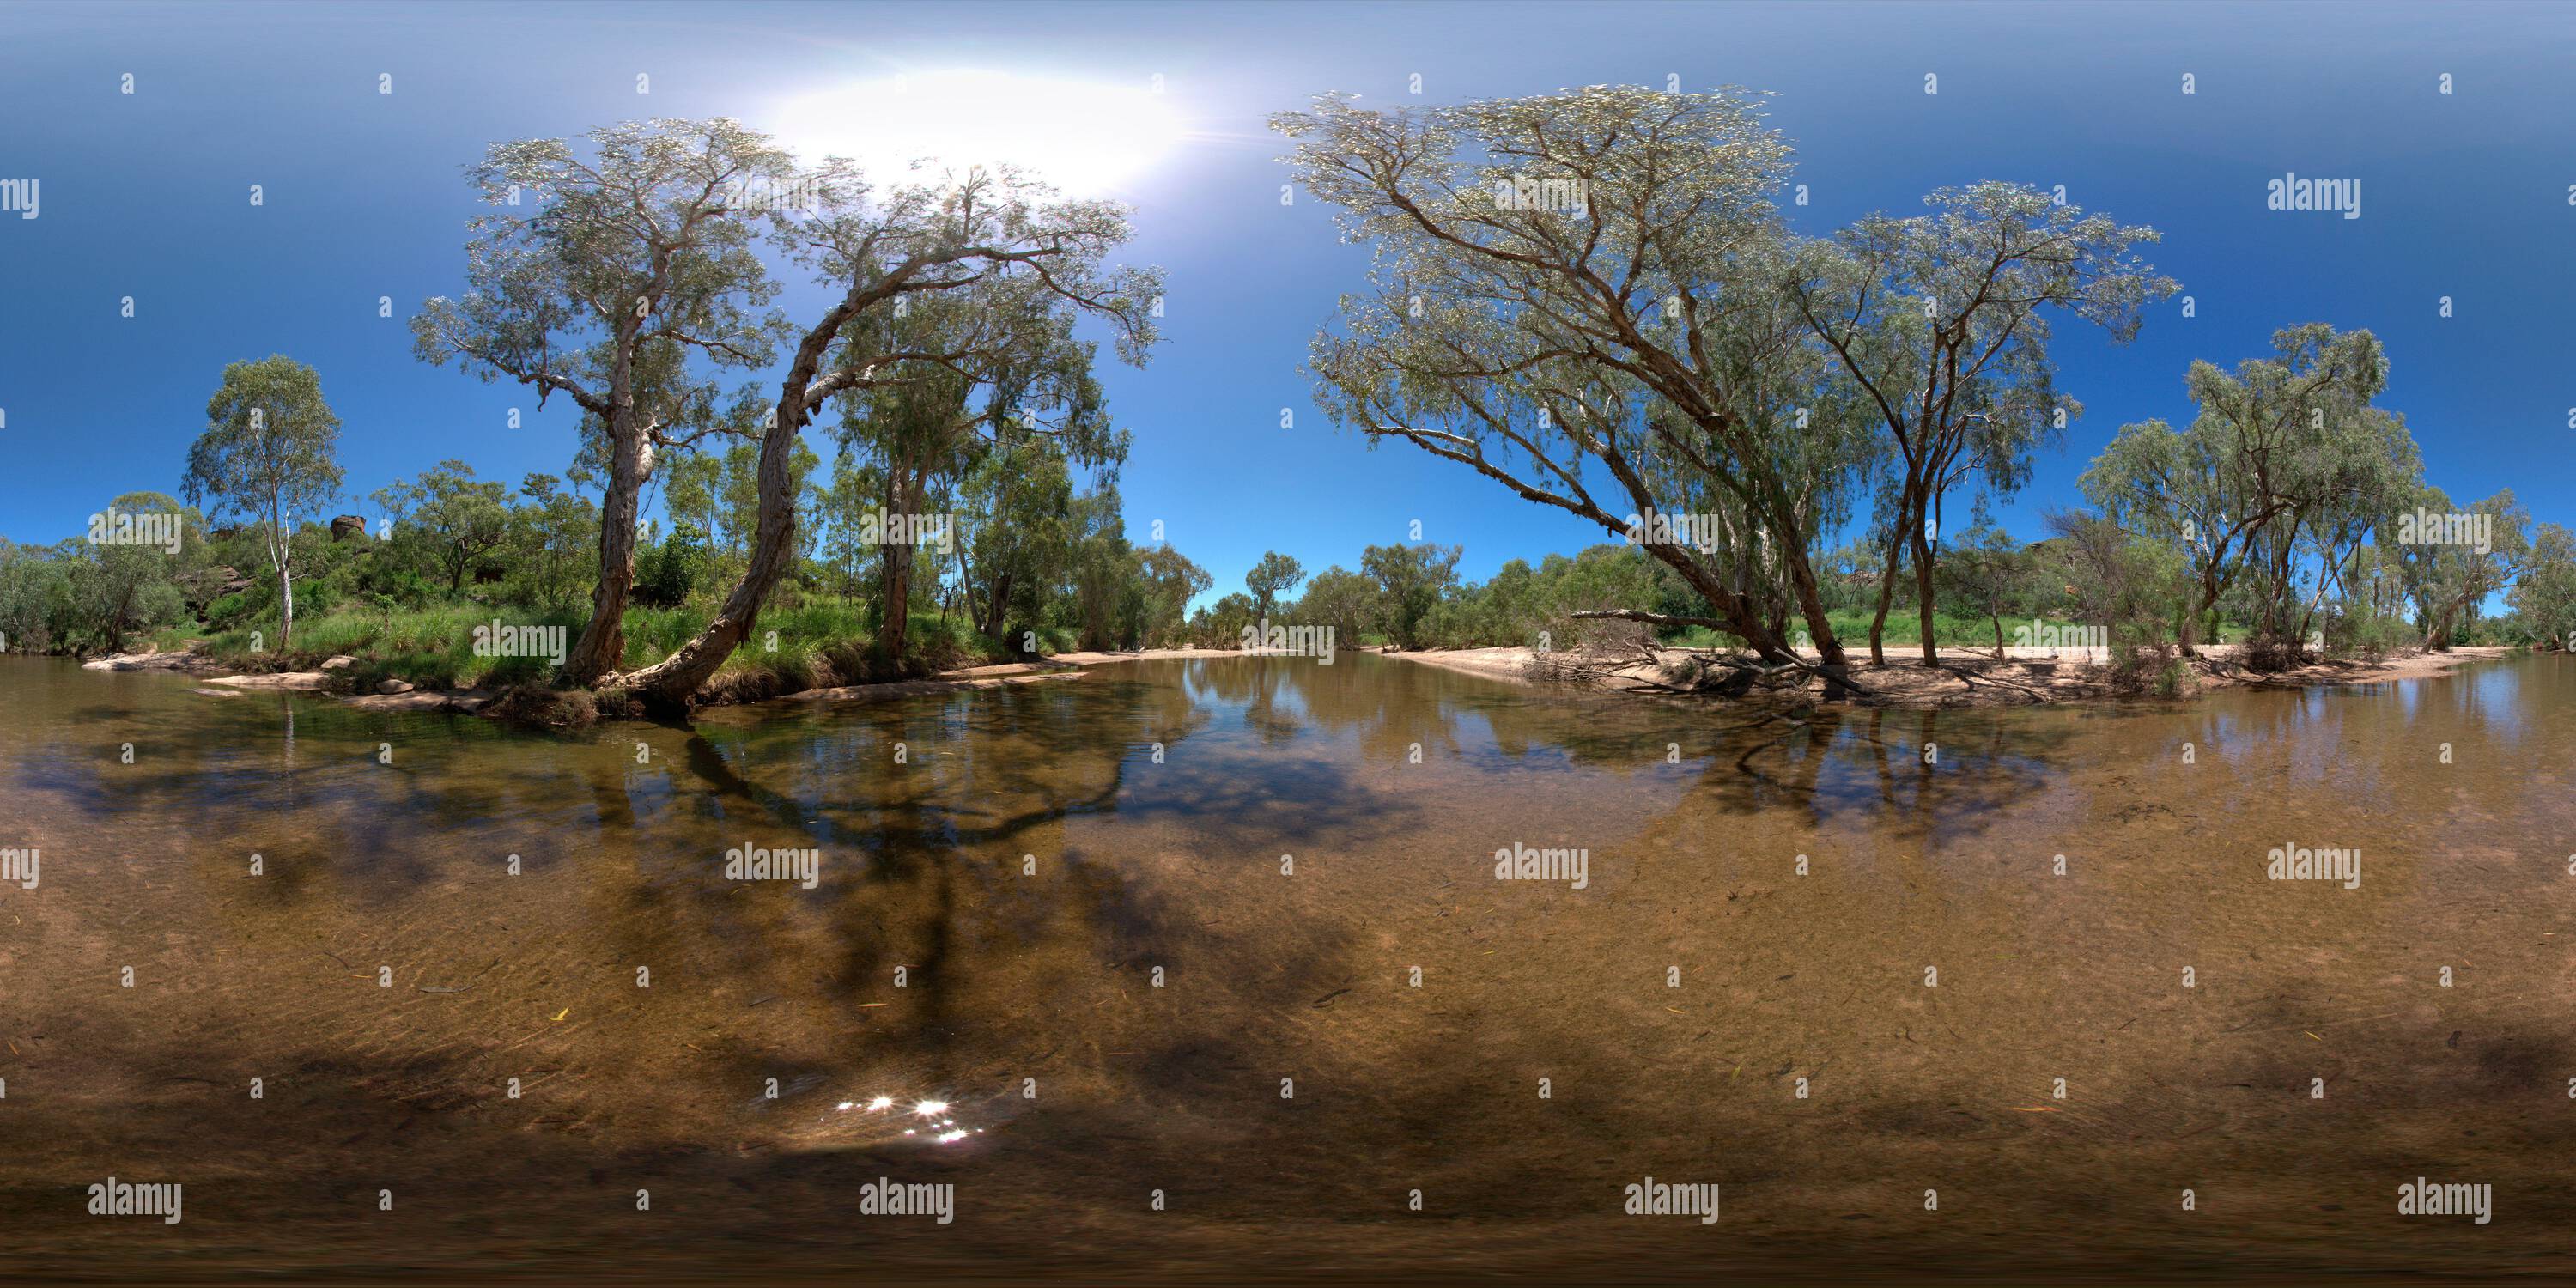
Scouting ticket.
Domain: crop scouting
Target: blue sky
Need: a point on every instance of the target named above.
(2465, 195)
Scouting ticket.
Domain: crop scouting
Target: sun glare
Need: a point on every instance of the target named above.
(1088, 139)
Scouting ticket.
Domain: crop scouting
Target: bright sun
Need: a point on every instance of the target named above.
(1087, 139)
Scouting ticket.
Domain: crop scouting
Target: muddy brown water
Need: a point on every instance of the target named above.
(1002, 875)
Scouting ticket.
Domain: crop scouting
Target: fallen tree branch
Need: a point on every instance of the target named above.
(1836, 679)
(1972, 680)
(1654, 619)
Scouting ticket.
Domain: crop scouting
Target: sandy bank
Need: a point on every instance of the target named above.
(976, 677)
(1059, 666)
(1141, 655)
(474, 701)
(1966, 676)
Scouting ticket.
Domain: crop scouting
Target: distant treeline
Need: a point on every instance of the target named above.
(1996, 591)
(1591, 300)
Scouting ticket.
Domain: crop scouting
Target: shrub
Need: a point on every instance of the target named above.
(666, 573)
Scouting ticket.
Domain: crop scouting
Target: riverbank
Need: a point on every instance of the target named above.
(1965, 677)
(1057, 666)
(529, 704)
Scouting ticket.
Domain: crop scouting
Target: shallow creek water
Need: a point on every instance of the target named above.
(1207, 970)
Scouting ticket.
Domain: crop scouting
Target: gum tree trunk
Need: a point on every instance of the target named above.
(894, 625)
(671, 682)
(1811, 605)
(1886, 600)
(282, 552)
(1923, 595)
(603, 642)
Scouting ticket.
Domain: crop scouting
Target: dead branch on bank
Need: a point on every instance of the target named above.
(1837, 679)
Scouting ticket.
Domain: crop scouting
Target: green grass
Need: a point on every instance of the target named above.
(432, 647)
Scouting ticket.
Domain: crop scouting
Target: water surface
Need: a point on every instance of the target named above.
(1003, 875)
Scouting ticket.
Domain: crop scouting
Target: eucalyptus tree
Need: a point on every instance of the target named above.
(1582, 285)
(719, 491)
(1344, 600)
(1224, 622)
(843, 508)
(2364, 468)
(2450, 561)
(36, 597)
(554, 539)
(1025, 535)
(119, 586)
(446, 512)
(2285, 456)
(1171, 582)
(267, 455)
(1992, 572)
(2374, 592)
(693, 484)
(2545, 594)
(1106, 577)
(1411, 581)
(1017, 387)
(909, 433)
(1271, 578)
(1938, 319)
(1017, 528)
(629, 287)
(1016, 265)
(2133, 588)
